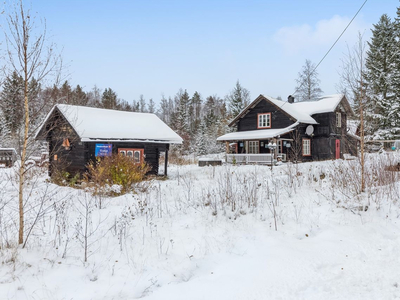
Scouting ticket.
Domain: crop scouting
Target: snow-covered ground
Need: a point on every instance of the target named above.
(228, 232)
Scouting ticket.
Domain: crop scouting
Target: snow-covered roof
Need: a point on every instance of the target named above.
(352, 126)
(299, 114)
(256, 134)
(8, 149)
(322, 105)
(96, 124)
(301, 111)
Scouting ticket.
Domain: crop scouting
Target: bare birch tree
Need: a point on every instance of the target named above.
(308, 83)
(30, 55)
(351, 81)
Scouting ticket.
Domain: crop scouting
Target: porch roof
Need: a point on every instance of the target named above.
(256, 134)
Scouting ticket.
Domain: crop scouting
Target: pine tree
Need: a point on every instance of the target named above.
(65, 93)
(238, 99)
(109, 99)
(380, 74)
(79, 97)
(307, 88)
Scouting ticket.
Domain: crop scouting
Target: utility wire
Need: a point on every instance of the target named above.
(332, 45)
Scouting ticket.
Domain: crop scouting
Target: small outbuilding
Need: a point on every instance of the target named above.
(8, 156)
(77, 135)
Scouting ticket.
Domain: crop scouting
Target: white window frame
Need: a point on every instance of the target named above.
(338, 119)
(254, 147)
(306, 149)
(264, 120)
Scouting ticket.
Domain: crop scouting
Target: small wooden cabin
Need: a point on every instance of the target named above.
(8, 156)
(301, 131)
(77, 135)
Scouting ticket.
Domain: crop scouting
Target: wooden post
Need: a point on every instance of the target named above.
(227, 147)
(166, 163)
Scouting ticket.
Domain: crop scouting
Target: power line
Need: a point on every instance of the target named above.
(344, 30)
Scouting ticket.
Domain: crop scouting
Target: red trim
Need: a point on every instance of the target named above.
(258, 121)
(302, 147)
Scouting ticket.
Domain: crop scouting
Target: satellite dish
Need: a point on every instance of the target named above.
(310, 130)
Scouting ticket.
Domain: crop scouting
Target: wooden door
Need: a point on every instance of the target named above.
(337, 149)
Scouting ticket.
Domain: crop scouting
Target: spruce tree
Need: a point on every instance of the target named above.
(194, 112)
(395, 113)
(12, 103)
(151, 107)
(238, 99)
(201, 143)
(380, 77)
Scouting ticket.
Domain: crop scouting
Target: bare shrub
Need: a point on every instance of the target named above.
(176, 158)
(115, 175)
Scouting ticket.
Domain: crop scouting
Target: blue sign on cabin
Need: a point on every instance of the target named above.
(103, 150)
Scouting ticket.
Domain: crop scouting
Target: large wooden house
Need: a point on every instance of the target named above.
(78, 134)
(301, 131)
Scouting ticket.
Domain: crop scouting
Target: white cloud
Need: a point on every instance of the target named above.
(305, 37)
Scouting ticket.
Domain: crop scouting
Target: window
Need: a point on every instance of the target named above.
(280, 146)
(338, 119)
(136, 157)
(253, 147)
(306, 147)
(136, 154)
(264, 120)
(322, 130)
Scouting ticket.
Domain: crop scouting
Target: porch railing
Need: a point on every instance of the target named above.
(265, 158)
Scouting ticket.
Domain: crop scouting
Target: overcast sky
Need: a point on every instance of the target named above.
(157, 47)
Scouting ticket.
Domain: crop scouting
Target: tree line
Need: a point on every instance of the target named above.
(199, 121)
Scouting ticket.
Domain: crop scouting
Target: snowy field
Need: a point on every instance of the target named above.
(230, 232)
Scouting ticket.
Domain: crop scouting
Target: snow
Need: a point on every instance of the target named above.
(352, 126)
(96, 124)
(256, 134)
(183, 239)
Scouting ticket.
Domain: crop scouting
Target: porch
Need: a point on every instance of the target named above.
(260, 158)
